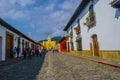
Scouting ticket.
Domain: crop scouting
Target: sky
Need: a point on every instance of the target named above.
(38, 19)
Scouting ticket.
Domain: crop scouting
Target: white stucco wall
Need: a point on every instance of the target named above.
(69, 40)
(107, 27)
(74, 37)
(3, 37)
(3, 31)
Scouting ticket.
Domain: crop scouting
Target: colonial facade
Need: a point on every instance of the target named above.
(48, 45)
(10, 38)
(97, 23)
(63, 45)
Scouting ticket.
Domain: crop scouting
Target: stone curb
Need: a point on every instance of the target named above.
(97, 61)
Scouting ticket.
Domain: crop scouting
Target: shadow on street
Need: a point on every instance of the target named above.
(27, 69)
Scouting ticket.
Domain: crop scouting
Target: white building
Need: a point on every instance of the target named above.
(10, 38)
(99, 22)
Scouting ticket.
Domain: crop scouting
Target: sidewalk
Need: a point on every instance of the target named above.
(96, 59)
(10, 61)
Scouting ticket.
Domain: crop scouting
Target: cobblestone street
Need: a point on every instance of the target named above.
(55, 66)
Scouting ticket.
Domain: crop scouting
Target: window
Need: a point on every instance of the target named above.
(91, 13)
(90, 19)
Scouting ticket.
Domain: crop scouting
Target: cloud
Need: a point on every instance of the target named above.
(16, 14)
(50, 7)
(57, 32)
(39, 18)
(29, 33)
(66, 5)
(60, 15)
(22, 3)
(69, 4)
(13, 8)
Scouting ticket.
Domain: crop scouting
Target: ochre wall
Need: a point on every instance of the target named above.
(105, 54)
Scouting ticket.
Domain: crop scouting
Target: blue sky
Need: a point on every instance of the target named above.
(38, 19)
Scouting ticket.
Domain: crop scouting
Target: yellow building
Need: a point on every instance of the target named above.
(48, 45)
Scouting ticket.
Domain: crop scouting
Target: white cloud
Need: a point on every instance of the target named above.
(29, 34)
(57, 32)
(45, 19)
(16, 14)
(26, 2)
(22, 3)
(9, 9)
(50, 7)
(69, 4)
(56, 14)
(60, 15)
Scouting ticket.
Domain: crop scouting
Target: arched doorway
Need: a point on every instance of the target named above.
(9, 45)
(79, 44)
(94, 45)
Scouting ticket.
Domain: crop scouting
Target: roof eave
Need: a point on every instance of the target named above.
(77, 12)
(8, 26)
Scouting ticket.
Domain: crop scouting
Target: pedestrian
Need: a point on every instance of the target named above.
(18, 51)
(33, 52)
(24, 53)
(29, 53)
(14, 52)
(28, 50)
(37, 52)
(40, 52)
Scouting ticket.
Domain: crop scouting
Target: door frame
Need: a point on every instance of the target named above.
(94, 46)
(11, 47)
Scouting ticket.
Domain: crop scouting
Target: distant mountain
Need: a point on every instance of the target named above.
(56, 38)
(41, 41)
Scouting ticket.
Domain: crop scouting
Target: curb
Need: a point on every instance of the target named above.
(97, 61)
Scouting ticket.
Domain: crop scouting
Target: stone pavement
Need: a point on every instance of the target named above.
(112, 63)
(56, 66)
(65, 67)
(26, 69)
(10, 61)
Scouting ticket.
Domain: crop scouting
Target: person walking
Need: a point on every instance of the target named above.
(14, 52)
(18, 51)
(24, 53)
(33, 52)
(28, 50)
(40, 52)
(37, 52)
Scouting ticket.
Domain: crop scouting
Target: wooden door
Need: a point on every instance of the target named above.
(91, 49)
(95, 45)
(79, 44)
(9, 45)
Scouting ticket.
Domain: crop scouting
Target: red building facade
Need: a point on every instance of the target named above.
(63, 45)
